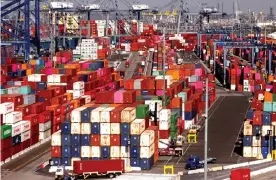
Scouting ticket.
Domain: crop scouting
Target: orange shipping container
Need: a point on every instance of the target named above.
(176, 102)
(268, 97)
(174, 73)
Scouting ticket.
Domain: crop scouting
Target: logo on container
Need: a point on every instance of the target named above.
(9, 108)
(6, 132)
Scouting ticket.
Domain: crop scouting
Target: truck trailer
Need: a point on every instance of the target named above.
(86, 168)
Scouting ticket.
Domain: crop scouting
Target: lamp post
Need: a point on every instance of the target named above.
(206, 131)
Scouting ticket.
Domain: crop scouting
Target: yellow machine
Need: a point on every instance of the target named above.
(273, 154)
(192, 136)
(168, 167)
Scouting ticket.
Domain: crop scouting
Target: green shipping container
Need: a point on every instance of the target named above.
(142, 111)
(6, 131)
(274, 97)
(25, 90)
(174, 117)
(4, 91)
(173, 134)
(139, 98)
(173, 128)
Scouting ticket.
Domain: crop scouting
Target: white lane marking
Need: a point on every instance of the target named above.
(166, 162)
(201, 127)
(239, 131)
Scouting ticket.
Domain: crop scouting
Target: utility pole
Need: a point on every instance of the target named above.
(206, 130)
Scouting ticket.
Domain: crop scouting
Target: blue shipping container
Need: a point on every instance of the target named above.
(66, 140)
(257, 130)
(125, 128)
(41, 85)
(264, 152)
(85, 116)
(124, 139)
(75, 151)
(188, 115)
(134, 162)
(273, 142)
(66, 161)
(66, 127)
(56, 161)
(265, 141)
(250, 114)
(16, 139)
(75, 140)
(134, 152)
(247, 141)
(85, 140)
(266, 118)
(85, 158)
(66, 151)
(105, 152)
(146, 164)
(135, 140)
(95, 128)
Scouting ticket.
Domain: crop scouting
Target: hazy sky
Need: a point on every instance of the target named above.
(254, 5)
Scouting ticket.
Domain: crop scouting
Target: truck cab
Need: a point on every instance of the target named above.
(193, 162)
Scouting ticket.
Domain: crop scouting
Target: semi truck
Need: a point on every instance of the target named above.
(175, 147)
(93, 168)
(194, 162)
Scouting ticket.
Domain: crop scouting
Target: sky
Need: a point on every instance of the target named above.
(254, 5)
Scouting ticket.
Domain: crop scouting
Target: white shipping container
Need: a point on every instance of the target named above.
(75, 128)
(127, 162)
(45, 134)
(56, 139)
(105, 128)
(164, 125)
(78, 93)
(265, 129)
(95, 151)
(85, 151)
(124, 152)
(31, 78)
(76, 114)
(45, 126)
(78, 85)
(50, 78)
(13, 90)
(87, 98)
(85, 128)
(147, 138)
(16, 129)
(165, 115)
(25, 136)
(115, 151)
(260, 97)
(37, 77)
(247, 128)
(25, 126)
(12, 117)
(6, 107)
(105, 140)
(105, 114)
(256, 141)
(146, 152)
(96, 114)
(188, 124)
(256, 151)
(137, 126)
(115, 128)
(151, 104)
(57, 78)
(247, 151)
(128, 114)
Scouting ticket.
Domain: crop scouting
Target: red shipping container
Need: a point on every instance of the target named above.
(56, 128)
(16, 99)
(25, 109)
(115, 114)
(48, 93)
(164, 134)
(16, 149)
(56, 151)
(34, 139)
(33, 118)
(156, 132)
(57, 119)
(55, 109)
(257, 118)
(65, 108)
(273, 117)
(99, 166)
(45, 116)
(160, 84)
(95, 140)
(26, 144)
(6, 143)
(188, 106)
(240, 174)
(35, 130)
(105, 97)
(129, 97)
(58, 90)
(7, 153)
(38, 108)
(57, 100)
(115, 140)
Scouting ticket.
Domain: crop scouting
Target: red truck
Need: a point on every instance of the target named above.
(110, 168)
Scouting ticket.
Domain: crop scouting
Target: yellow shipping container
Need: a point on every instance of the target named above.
(175, 73)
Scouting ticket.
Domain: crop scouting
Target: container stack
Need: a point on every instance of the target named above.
(87, 49)
(259, 128)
